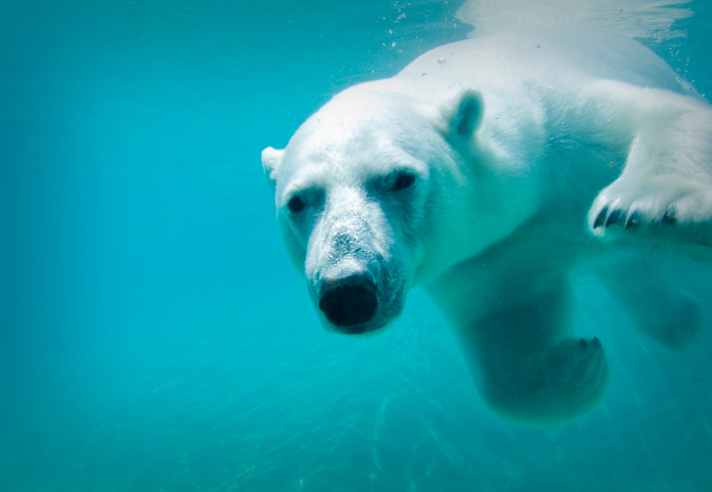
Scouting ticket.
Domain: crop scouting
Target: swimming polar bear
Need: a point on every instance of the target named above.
(485, 172)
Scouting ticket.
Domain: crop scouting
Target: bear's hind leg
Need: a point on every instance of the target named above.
(644, 291)
(527, 369)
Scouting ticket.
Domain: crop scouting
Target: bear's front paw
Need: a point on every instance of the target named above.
(552, 387)
(655, 208)
(578, 368)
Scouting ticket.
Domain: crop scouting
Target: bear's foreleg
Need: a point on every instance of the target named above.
(526, 367)
(665, 190)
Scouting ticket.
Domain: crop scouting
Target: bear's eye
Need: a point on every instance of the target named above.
(296, 204)
(403, 181)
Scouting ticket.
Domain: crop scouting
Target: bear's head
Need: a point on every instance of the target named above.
(364, 193)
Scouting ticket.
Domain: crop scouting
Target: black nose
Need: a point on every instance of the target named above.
(349, 302)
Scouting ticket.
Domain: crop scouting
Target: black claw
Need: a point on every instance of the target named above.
(582, 344)
(668, 217)
(596, 342)
(633, 220)
(614, 217)
(600, 219)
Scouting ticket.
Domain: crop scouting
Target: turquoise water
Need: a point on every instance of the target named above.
(155, 337)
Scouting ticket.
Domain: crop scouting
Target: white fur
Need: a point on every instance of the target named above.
(522, 146)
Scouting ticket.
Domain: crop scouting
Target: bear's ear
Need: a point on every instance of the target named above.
(271, 159)
(463, 114)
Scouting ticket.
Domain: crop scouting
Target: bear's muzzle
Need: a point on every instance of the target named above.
(349, 303)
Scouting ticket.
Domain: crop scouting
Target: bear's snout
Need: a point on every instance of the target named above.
(349, 303)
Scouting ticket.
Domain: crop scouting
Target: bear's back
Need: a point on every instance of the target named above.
(553, 57)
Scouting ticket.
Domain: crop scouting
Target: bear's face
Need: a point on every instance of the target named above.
(360, 203)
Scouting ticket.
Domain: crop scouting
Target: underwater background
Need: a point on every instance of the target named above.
(154, 335)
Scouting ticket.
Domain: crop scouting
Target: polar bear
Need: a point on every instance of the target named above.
(485, 172)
